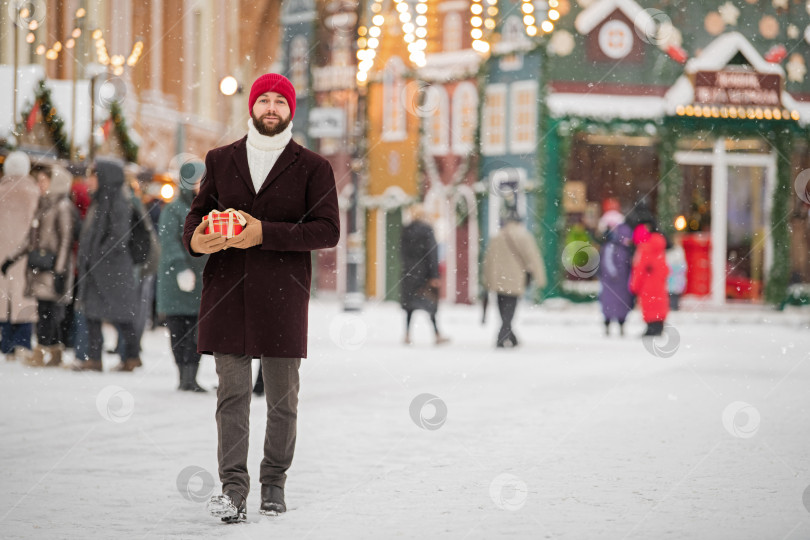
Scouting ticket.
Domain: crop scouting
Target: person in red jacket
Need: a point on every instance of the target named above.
(648, 280)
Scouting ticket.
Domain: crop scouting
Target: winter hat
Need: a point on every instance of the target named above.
(17, 164)
(641, 234)
(273, 82)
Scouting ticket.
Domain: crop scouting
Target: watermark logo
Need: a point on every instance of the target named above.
(580, 259)
(349, 332)
(665, 345)
(27, 14)
(115, 404)
(741, 419)
(110, 90)
(653, 26)
(802, 186)
(421, 99)
(189, 169)
(341, 18)
(195, 483)
(428, 412)
(508, 492)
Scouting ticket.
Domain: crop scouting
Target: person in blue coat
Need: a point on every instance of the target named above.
(616, 258)
(179, 285)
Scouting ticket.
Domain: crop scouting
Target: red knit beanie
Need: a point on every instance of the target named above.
(273, 82)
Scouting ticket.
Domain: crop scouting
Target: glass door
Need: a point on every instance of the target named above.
(746, 232)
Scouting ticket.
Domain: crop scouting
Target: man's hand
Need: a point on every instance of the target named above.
(6, 264)
(250, 236)
(206, 243)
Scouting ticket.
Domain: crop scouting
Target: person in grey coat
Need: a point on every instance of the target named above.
(107, 288)
(511, 256)
(179, 286)
(49, 276)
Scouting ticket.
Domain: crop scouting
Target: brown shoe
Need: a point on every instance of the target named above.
(440, 340)
(128, 365)
(37, 358)
(87, 365)
(56, 356)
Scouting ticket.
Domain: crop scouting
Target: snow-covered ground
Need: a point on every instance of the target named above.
(571, 436)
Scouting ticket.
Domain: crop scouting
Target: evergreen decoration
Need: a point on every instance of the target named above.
(54, 122)
(120, 125)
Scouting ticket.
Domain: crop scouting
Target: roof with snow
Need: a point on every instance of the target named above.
(594, 14)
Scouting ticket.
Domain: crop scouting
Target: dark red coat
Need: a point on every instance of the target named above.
(648, 280)
(255, 301)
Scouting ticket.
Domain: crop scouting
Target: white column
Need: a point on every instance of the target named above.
(719, 231)
(155, 47)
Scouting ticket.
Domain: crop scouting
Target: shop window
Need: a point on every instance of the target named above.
(393, 110)
(438, 124)
(524, 117)
(298, 64)
(451, 32)
(465, 104)
(493, 135)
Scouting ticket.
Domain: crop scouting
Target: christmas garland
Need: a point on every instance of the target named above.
(130, 148)
(54, 122)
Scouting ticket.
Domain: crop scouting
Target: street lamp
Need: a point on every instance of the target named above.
(229, 86)
(71, 44)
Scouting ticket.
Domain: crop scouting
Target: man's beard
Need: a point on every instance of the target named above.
(270, 131)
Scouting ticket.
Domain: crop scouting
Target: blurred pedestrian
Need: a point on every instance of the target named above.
(255, 297)
(511, 261)
(49, 276)
(19, 197)
(641, 214)
(616, 258)
(648, 280)
(676, 262)
(179, 286)
(419, 287)
(145, 266)
(107, 288)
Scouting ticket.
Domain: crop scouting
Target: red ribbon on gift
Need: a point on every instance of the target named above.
(229, 222)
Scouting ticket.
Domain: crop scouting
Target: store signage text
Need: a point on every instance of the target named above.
(738, 88)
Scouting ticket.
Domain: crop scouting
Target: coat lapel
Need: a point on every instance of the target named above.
(287, 157)
(240, 159)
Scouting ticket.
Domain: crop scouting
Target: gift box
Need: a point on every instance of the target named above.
(228, 222)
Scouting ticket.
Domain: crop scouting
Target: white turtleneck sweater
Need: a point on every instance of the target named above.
(263, 151)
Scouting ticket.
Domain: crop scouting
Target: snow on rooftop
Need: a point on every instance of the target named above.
(593, 15)
(606, 106)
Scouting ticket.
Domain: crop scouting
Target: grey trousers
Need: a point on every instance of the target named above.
(281, 386)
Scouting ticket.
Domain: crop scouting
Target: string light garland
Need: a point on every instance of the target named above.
(367, 42)
(750, 113)
(116, 61)
(482, 17)
(414, 32)
(531, 17)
